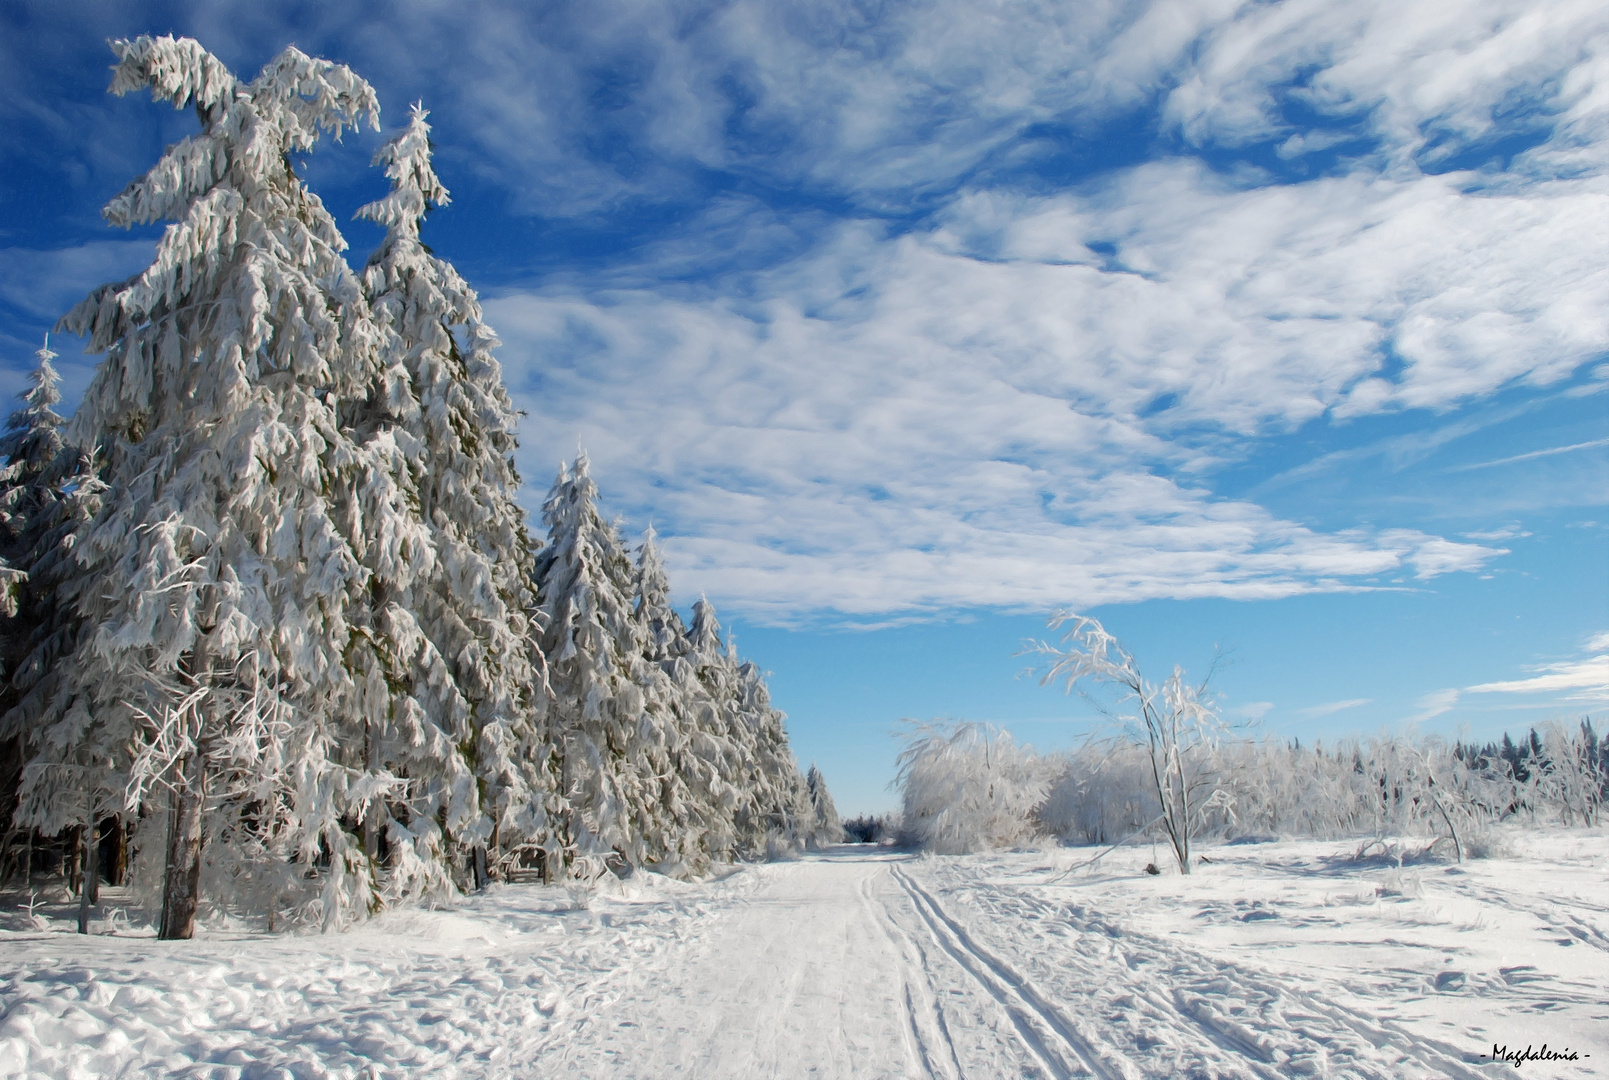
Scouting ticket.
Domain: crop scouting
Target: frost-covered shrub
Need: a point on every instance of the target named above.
(968, 787)
(1390, 785)
(1100, 795)
(1570, 776)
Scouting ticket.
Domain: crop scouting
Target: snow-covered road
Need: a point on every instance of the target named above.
(859, 963)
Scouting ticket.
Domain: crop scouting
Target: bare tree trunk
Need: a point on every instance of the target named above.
(181, 882)
(117, 873)
(72, 867)
(90, 893)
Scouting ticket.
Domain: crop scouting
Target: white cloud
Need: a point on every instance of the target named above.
(1585, 679)
(1331, 707)
(1432, 78)
(1507, 532)
(1549, 452)
(942, 438)
(955, 416)
(1432, 705)
(574, 110)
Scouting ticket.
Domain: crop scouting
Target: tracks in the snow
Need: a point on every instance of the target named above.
(1183, 1014)
(1053, 1038)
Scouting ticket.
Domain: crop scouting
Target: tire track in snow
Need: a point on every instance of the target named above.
(1053, 1038)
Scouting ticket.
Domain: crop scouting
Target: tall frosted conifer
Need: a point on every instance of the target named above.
(42, 482)
(446, 656)
(217, 577)
(693, 797)
(723, 739)
(770, 803)
(782, 802)
(827, 829)
(45, 493)
(593, 644)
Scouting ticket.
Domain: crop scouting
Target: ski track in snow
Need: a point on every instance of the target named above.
(859, 963)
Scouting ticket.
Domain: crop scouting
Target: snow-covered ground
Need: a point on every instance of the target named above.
(1273, 960)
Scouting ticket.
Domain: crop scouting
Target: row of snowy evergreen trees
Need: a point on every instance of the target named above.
(274, 603)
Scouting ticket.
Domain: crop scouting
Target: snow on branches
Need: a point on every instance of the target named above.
(968, 787)
(1174, 723)
(284, 618)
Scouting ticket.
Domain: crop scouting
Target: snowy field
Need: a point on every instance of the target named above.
(1273, 960)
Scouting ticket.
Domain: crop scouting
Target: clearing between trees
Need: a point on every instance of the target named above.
(1276, 959)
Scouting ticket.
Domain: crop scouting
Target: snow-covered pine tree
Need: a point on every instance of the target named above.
(665, 635)
(29, 493)
(46, 492)
(40, 484)
(782, 798)
(727, 738)
(216, 576)
(595, 706)
(690, 758)
(447, 652)
(769, 800)
(826, 828)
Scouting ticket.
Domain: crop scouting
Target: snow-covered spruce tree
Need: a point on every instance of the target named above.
(594, 706)
(46, 491)
(690, 757)
(729, 738)
(216, 577)
(44, 482)
(782, 816)
(445, 654)
(827, 829)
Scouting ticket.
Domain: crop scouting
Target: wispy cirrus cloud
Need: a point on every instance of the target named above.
(1532, 455)
(1583, 679)
(1431, 705)
(1330, 708)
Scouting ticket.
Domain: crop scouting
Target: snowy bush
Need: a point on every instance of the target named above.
(1390, 788)
(967, 787)
(1101, 794)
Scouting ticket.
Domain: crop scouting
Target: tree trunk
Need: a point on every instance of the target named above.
(181, 882)
(117, 872)
(92, 867)
(90, 893)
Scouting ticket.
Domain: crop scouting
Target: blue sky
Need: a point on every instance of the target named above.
(1275, 327)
